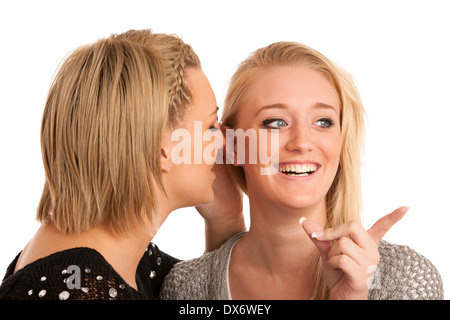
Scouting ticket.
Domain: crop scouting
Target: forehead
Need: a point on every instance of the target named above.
(203, 105)
(203, 98)
(292, 86)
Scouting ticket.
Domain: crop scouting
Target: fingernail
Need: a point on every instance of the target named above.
(301, 220)
(317, 234)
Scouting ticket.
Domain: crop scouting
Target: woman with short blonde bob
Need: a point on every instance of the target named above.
(111, 180)
(315, 109)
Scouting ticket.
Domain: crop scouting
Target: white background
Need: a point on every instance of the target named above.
(398, 51)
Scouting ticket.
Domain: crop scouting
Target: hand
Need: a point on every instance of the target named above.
(224, 214)
(228, 201)
(350, 253)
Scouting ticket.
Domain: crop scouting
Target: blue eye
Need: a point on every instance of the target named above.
(213, 128)
(325, 123)
(274, 123)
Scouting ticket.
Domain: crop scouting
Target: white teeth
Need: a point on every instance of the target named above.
(298, 169)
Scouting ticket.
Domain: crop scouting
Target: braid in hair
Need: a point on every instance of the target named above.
(179, 95)
(177, 57)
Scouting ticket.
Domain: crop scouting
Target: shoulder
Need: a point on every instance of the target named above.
(404, 274)
(153, 268)
(76, 274)
(200, 278)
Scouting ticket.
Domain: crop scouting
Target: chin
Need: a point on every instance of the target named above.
(204, 197)
(298, 202)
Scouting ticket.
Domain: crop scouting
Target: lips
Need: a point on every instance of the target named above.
(298, 169)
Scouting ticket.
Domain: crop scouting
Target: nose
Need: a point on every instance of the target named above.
(300, 139)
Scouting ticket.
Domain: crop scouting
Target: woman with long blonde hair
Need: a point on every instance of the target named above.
(313, 108)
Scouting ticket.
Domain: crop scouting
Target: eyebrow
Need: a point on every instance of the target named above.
(320, 105)
(272, 106)
(317, 105)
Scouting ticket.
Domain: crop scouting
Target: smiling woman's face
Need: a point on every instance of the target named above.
(305, 109)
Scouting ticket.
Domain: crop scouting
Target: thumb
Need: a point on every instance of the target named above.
(382, 226)
(311, 227)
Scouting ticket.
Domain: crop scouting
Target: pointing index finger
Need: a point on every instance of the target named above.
(382, 226)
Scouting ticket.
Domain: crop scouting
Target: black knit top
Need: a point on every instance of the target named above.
(83, 274)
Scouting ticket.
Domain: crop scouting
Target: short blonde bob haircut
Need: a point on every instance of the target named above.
(102, 127)
(344, 199)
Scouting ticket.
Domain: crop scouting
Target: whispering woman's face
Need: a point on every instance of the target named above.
(195, 144)
(302, 105)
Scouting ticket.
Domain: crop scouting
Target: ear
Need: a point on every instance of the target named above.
(230, 147)
(165, 162)
(165, 152)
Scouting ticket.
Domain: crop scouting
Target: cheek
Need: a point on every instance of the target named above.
(331, 148)
(197, 146)
(197, 183)
(268, 146)
(255, 181)
(212, 142)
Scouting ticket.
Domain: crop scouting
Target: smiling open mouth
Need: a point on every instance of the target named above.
(298, 170)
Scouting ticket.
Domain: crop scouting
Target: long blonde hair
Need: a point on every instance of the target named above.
(102, 127)
(344, 198)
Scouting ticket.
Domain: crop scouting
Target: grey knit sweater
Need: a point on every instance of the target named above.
(402, 274)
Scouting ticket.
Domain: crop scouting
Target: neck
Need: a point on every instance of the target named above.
(276, 238)
(122, 251)
(273, 260)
